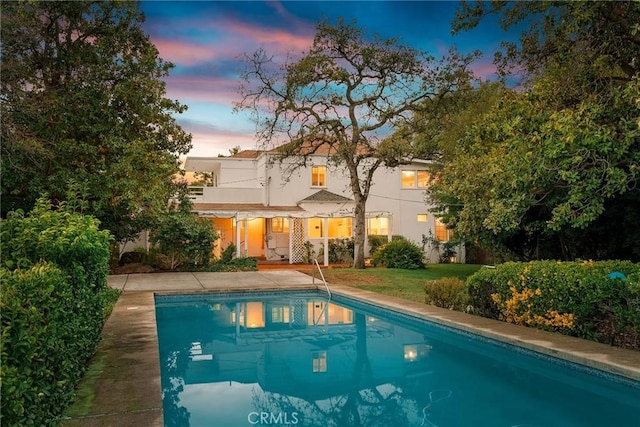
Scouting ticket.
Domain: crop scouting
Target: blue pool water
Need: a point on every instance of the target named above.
(296, 359)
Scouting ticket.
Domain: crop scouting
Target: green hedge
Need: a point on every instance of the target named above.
(53, 275)
(575, 298)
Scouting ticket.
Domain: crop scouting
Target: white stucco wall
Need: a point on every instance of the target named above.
(272, 186)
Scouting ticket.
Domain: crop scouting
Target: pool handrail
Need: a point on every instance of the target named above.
(313, 277)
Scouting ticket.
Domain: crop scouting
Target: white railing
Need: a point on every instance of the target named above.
(313, 277)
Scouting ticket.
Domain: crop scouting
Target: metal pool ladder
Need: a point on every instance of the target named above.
(313, 275)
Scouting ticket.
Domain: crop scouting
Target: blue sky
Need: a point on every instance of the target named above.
(206, 40)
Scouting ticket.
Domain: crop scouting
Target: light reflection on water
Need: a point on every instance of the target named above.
(242, 360)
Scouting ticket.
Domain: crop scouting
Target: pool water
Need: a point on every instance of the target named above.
(298, 359)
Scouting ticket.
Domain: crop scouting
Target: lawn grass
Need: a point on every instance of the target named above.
(407, 284)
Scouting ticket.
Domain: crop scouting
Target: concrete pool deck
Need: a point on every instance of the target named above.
(125, 374)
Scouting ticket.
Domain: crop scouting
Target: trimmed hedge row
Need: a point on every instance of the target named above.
(53, 275)
(581, 299)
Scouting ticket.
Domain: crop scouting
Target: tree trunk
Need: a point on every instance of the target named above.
(359, 234)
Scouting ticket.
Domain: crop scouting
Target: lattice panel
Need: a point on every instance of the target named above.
(297, 254)
(299, 315)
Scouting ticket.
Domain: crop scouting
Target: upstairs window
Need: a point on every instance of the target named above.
(318, 176)
(415, 179)
(408, 179)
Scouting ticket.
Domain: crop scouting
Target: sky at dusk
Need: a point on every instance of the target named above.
(206, 41)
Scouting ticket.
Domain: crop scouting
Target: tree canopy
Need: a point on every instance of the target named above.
(344, 96)
(83, 102)
(548, 168)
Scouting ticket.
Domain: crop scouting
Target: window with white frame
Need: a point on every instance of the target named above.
(415, 178)
(378, 226)
(318, 176)
(279, 225)
(443, 233)
(336, 228)
(319, 361)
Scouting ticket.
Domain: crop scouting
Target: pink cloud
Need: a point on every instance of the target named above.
(218, 90)
(276, 38)
(184, 53)
(236, 38)
(484, 68)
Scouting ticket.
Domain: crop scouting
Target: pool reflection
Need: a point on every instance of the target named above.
(243, 360)
(309, 361)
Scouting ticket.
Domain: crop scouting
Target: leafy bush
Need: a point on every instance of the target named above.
(184, 238)
(448, 292)
(376, 242)
(399, 253)
(137, 255)
(228, 262)
(53, 275)
(236, 264)
(228, 253)
(341, 250)
(575, 298)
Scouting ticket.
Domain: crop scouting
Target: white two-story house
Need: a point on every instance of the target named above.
(269, 213)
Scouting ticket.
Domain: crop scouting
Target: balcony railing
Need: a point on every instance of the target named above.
(202, 194)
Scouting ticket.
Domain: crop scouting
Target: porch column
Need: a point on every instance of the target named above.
(237, 236)
(389, 228)
(246, 237)
(325, 235)
(291, 226)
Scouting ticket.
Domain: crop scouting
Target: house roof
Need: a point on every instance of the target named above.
(247, 210)
(247, 154)
(306, 148)
(244, 207)
(324, 196)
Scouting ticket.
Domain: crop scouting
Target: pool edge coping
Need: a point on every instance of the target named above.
(609, 359)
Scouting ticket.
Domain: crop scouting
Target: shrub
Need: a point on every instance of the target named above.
(448, 292)
(341, 250)
(399, 253)
(137, 255)
(184, 238)
(228, 253)
(235, 264)
(53, 275)
(376, 242)
(575, 298)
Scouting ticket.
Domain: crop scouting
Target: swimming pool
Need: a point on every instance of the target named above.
(299, 359)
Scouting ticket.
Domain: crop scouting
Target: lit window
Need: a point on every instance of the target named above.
(408, 179)
(443, 234)
(422, 217)
(378, 226)
(320, 361)
(318, 176)
(254, 315)
(314, 228)
(415, 352)
(423, 179)
(280, 315)
(337, 228)
(415, 179)
(279, 225)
